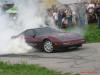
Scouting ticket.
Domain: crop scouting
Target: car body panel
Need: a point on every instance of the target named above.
(58, 39)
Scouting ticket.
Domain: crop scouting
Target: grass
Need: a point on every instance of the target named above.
(23, 69)
(92, 34)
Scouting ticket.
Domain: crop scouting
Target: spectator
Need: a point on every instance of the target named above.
(76, 13)
(79, 15)
(97, 11)
(69, 16)
(55, 16)
(60, 17)
(91, 5)
(90, 12)
(82, 16)
(64, 22)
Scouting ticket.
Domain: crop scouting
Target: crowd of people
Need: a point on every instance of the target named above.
(62, 17)
(69, 15)
(79, 13)
(91, 11)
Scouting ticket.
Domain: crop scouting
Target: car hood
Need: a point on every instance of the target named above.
(67, 36)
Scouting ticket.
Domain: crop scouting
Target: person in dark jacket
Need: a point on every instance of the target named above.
(97, 11)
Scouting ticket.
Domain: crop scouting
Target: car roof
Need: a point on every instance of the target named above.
(38, 28)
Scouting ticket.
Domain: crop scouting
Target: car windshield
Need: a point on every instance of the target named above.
(46, 31)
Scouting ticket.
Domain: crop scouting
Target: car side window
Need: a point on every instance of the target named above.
(29, 32)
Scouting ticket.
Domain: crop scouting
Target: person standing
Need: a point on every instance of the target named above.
(82, 16)
(97, 11)
(60, 17)
(55, 16)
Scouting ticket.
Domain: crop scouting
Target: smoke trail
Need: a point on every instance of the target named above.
(29, 15)
(27, 18)
(7, 45)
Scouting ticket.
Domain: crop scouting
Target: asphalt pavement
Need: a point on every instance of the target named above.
(85, 59)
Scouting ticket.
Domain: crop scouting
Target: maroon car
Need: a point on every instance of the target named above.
(49, 39)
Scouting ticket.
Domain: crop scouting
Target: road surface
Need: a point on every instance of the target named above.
(85, 59)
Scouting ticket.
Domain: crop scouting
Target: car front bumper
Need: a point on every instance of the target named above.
(69, 43)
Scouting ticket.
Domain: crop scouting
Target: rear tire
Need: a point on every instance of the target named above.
(48, 46)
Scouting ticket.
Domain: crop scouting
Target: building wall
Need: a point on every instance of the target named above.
(96, 0)
(50, 3)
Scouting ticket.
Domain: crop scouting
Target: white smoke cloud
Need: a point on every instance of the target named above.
(19, 45)
(28, 17)
(29, 14)
(7, 45)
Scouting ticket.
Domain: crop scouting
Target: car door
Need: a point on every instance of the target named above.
(30, 37)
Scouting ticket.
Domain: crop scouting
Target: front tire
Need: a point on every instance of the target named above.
(48, 46)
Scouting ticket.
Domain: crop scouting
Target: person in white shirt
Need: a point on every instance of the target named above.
(91, 5)
(55, 16)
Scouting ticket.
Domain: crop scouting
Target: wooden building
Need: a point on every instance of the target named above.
(51, 3)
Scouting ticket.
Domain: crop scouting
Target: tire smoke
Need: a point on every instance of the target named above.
(28, 16)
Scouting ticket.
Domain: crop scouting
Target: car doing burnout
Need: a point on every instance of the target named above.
(49, 39)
